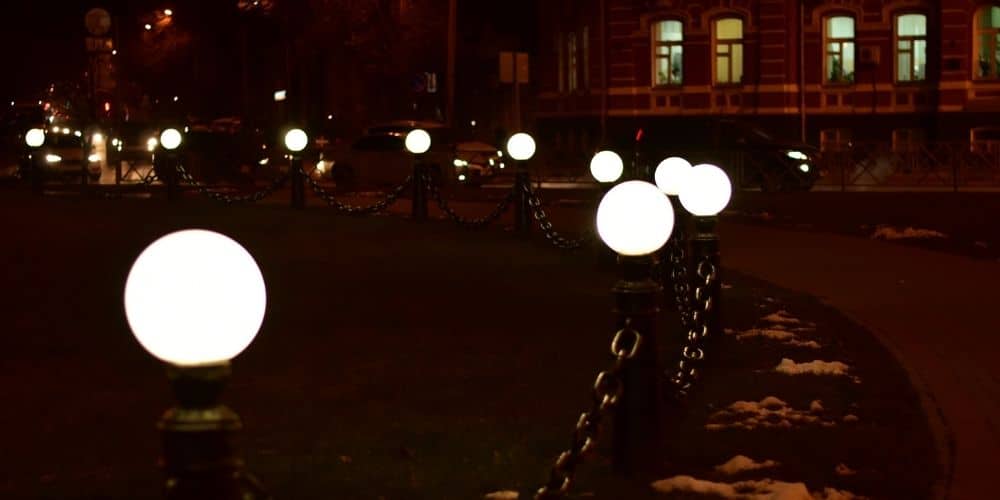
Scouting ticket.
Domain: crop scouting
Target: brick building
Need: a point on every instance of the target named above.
(821, 70)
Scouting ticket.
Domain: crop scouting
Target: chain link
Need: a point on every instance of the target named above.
(545, 224)
(686, 374)
(435, 193)
(677, 272)
(607, 390)
(227, 198)
(375, 208)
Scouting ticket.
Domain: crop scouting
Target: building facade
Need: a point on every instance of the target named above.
(822, 71)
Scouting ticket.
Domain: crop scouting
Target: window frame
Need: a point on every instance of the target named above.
(977, 32)
(840, 41)
(729, 43)
(896, 51)
(655, 57)
(572, 63)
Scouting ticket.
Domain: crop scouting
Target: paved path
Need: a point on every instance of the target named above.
(937, 312)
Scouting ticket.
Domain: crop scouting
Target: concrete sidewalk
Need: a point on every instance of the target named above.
(936, 312)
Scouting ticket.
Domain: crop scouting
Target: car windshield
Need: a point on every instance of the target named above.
(63, 141)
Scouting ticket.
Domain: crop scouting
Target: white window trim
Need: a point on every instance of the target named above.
(912, 50)
(840, 41)
(716, 43)
(655, 43)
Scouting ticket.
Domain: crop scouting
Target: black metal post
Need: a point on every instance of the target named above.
(522, 207)
(678, 237)
(637, 431)
(298, 183)
(169, 162)
(419, 209)
(705, 259)
(606, 257)
(35, 172)
(199, 457)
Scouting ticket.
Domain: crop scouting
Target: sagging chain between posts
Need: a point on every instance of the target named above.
(551, 234)
(227, 198)
(686, 373)
(675, 270)
(435, 192)
(348, 209)
(607, 390)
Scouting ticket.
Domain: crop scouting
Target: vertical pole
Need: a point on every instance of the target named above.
(802, 71)
(450, 84)
(522, 208)
(705, 249)
(637, 422)
(36, 172)
(419, 209)
(604, 72)
(298, 183)
(169, 162)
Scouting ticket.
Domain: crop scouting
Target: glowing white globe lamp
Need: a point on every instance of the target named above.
(418, 141)
(671, 173)
(634, 218)
(521, 146)
(707, 190)
(606, 166)
(296, 140)
(195, 298)
(170, 139)
(35, 137)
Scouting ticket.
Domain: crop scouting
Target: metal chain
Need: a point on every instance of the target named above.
(551, 234)
(607, 390)
(686, 374)
(678, 274)
(227, 198)
(380, 206)
(484, 221)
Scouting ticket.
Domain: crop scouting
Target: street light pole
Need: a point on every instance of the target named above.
(521, 147)
(418, 142)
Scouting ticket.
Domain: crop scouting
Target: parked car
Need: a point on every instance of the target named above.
(64, 154)
(751, 156)
(379, 157)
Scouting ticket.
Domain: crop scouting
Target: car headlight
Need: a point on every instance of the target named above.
(94, 158)
(50, 158)
(805, 168)
(263, 161)
(460, 163)
(797, 155)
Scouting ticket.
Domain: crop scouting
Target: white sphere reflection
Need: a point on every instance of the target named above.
(418, 141)
(670, 175)
(195, 297)
(521, 146)
(635, 218)
(707, 190)
(606, 166)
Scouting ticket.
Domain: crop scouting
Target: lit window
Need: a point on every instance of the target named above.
(839, 43)
(728, 51)
(911, 48)
(987, 42)
(571, 49)
(668, 53)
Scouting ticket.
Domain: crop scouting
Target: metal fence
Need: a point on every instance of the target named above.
(954, 166)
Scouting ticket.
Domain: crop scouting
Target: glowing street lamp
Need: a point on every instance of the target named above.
(606, 167)
(521, 147)
(418, 142)
(296, 140)
(171, 139)
(34, 138)
(706, 190)
(195, 299)
(670, 175)
(635, 219)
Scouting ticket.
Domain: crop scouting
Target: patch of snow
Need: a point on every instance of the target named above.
(727, 286)
(811, 344)
(782, 317)
(851, 418)
(816, 406)
(778, 333)
(832, 494)
(742, 463)
(761, 489)
(768, 413)
(691, 485)
(844, 470)
(817, 367)
(883, 232)
(502, 495)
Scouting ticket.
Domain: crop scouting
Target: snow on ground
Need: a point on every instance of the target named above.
(883, 232)
(782, 335)
(502, 495)
(768, 413)
(816, 367)
(760, 489)
(844, 470)
(782, 317)
(743, 463)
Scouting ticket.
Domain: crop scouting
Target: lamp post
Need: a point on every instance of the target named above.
(418, 142)
(521, 147)
(635, 220)
(296, 141)
(34, 139)
(195, 299)
(170, 140)
(606, 167)
(706, 192)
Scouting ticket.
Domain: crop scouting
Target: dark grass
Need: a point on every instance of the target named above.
(397, 360)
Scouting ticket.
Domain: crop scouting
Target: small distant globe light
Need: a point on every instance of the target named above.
(98, 138)
(521, 146)
(296, 140)
(804, 168)
(280, 95)
(114, 52)
(797, 155)
(168, 12)
(502, 166)
(606, 166)
(472, 123)
(114, 142)
(171, 139)
(66, 131)
(176, 98)
(94, 158)
(151, 144)
(707, 190)
(195, 297)
(635, 218)
(148, 26)
(418, 141)
(500, 153)
(461, 177)
(78, 133)
(670, 175)
(50, 158)
(35, 137)
(329, 117)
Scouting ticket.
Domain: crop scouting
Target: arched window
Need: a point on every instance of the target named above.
(911, 48)
(838, 40)
(668, 53)
(728, 47)
(987, 41)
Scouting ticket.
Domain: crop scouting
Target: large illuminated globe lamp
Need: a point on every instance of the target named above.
(34, 138)
(707, 190)
(671, 173)
(195, 298)
(170, 139)
(521, 146)
(606, 166)
(418, 141)
(296, 140)
(634, 218)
